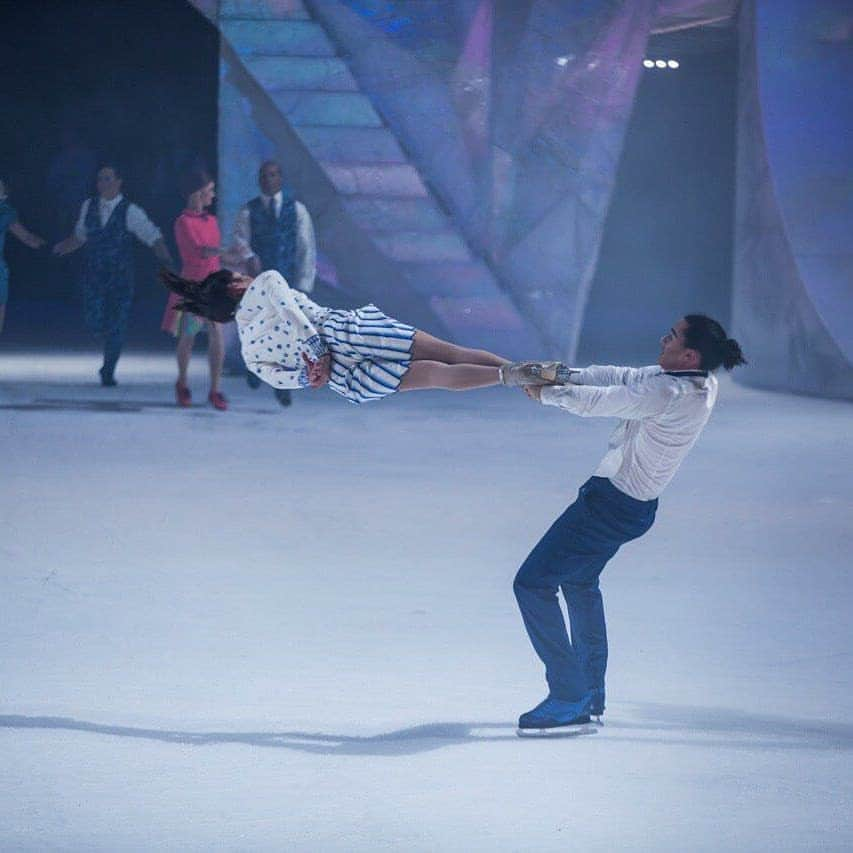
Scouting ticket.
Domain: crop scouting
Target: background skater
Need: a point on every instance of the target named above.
(663, 409)
(9, 222)
(274, 231)
(197, 235)
(106, 227)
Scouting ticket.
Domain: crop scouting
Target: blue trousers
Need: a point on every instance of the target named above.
(106, 305)
(571, 556)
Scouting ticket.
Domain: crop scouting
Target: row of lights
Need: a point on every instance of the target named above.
(563, 61)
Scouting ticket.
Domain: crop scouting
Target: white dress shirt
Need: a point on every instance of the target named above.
(306, 245)
(138, 222)
(662, 415)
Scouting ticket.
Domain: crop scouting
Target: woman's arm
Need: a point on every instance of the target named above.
(319, 371)
(78, 237)
(25, 236)
(68, 245)
(280, 341)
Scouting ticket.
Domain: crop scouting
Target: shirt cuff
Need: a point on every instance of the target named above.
(550, 394)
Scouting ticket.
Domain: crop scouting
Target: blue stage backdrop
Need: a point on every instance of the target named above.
(458, 155)
(459, 158)
(793, 302)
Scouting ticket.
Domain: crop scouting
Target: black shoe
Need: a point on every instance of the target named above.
(252, 381)
(283, 396)
(107, 379)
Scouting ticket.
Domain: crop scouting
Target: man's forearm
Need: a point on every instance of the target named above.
(162, 253)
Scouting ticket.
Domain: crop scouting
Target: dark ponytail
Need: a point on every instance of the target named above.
(210, 298)
(709, 339)
(732, 355)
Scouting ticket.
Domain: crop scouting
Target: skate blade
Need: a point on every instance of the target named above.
(559, 731)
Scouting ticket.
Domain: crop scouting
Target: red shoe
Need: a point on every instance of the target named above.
(183, 397)
(218, 401)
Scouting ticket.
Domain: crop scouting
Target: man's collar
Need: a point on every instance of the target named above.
(115, 200)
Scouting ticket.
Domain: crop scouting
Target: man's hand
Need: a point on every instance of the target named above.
(534, 392)
(66, 246)
(535, 373)
(319, 370)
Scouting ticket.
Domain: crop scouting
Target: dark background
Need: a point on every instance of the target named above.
(135, 81)
(668, 238)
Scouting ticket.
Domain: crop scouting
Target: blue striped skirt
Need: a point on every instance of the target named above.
(371, 352)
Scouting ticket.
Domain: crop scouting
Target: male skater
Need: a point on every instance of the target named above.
(105, 229)
(663, 410)
(274, 231)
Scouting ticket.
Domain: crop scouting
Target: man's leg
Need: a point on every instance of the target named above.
(555, 560)
(113, 342)
(588, 634)
(116, 307)
(93, 306)
(628, 520)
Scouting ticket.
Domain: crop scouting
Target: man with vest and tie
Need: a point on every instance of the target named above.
(275, 232)
(105, 229)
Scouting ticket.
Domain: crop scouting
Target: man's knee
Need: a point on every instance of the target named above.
(529, 582)
(580, 587)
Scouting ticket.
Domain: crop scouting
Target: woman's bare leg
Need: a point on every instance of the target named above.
(425, 347)
(184, 351)
(215, 354)
(424, 374)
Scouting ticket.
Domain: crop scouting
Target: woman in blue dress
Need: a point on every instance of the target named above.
(9, 222)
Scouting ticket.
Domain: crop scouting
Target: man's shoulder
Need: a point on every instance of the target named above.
(650, 370)
(658, 383)
(649, 375)
(133, 207)
(688, 390)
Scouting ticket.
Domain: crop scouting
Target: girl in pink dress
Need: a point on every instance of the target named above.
(197, 235)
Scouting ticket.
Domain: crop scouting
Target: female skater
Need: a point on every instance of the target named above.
(197, 236)
(9, 222)
(290, 342)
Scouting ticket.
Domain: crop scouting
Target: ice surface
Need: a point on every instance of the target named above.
(294, 629)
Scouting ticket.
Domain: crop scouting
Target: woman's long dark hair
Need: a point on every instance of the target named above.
(209, 298)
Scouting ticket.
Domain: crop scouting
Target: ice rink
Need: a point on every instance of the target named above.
(295, 630)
